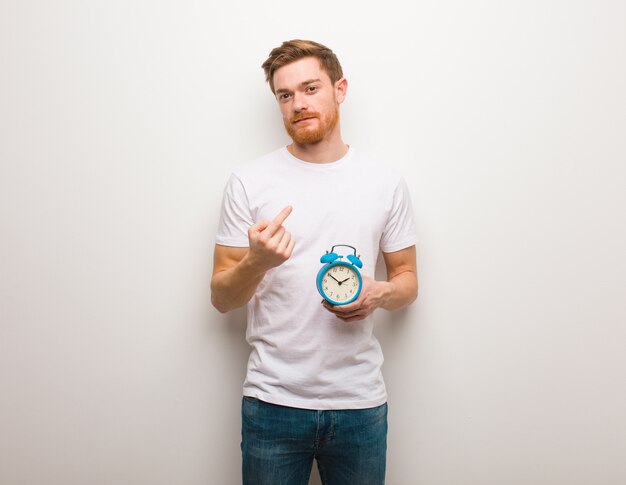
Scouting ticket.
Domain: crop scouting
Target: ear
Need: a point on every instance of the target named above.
(341, 89)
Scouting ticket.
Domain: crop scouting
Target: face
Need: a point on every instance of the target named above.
(308, 101)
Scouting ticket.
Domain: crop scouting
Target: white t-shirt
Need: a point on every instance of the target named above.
(302, 355)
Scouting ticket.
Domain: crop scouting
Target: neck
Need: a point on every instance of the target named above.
(326, 151)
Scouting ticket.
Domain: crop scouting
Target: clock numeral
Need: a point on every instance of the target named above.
(341, 269)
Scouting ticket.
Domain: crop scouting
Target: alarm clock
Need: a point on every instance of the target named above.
(339, 281)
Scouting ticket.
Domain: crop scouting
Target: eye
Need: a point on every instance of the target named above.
(314, 88)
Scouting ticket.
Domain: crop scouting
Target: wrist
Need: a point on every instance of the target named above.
(387, 290)
(252, 266)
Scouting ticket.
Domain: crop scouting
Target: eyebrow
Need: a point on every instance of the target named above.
(303, 83)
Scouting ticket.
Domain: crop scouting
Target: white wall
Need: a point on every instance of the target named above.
(119, 124)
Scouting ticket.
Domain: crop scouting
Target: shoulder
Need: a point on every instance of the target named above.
(254, 169)
(377, 170)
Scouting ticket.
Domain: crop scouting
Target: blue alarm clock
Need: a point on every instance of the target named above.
(339, 281)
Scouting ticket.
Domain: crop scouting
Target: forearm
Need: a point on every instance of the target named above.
(400, 290)
(233, 288)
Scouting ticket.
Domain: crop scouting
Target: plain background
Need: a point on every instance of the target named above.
(120, 122)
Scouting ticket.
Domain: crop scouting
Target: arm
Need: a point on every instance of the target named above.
(398, 291)
(237, 272)
(401, 278)
(234, 279)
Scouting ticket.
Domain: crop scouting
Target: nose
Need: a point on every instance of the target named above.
(300, 102)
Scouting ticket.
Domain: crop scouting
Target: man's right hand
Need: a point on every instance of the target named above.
(270, 244)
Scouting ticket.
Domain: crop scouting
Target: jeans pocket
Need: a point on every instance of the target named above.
(250, 408)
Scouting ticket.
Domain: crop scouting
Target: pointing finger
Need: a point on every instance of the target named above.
(278, 220)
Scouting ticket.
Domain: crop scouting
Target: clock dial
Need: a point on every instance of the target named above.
(340, 283)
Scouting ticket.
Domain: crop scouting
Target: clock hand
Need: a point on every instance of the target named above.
(334, 278)
(343, 281)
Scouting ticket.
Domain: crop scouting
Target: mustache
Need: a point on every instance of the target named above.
(301, 116)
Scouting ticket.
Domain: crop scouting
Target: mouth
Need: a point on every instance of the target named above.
(304, 119)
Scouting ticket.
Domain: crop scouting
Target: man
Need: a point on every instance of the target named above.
(313, 387)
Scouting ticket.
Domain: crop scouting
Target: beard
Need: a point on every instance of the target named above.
(308, 133)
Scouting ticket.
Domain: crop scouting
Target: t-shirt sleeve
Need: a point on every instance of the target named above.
(399, 231)
(235, 218)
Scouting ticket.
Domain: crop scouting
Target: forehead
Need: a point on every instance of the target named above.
(294, 73)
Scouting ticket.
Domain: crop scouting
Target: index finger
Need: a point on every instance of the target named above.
(278, 220)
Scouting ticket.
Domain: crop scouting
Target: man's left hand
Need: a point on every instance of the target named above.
(374, 294)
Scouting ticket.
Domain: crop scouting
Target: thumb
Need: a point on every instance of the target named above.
(259, 226)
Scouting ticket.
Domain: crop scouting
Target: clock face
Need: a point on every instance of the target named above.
(340, 283)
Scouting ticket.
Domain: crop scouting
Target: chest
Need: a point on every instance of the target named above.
(330, 208)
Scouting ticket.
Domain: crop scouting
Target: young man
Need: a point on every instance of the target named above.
(314, 387)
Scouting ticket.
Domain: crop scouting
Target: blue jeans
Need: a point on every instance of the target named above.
(279, 444)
